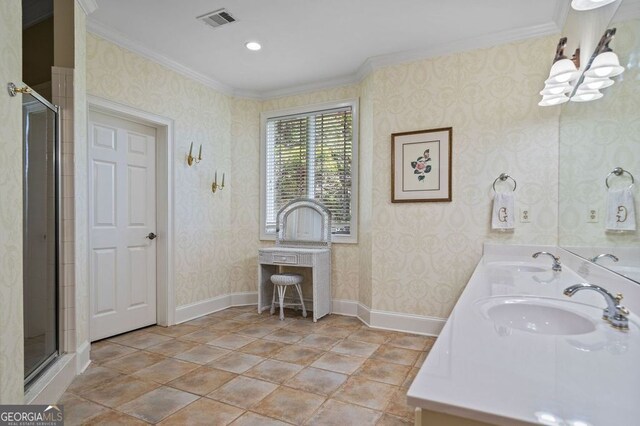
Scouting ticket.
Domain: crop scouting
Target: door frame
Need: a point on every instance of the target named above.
(165, 272)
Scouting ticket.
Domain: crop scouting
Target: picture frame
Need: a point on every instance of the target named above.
(421, 165)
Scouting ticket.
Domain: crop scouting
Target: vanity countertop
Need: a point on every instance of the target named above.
(294, 249)
(497, 371)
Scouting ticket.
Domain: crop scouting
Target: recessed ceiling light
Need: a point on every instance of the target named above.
(253, 45)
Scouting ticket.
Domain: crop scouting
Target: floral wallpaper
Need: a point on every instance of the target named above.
(80, 176)
(424, 253)
(412, 258)
(595, 138)
(201, 115)
(11, 329)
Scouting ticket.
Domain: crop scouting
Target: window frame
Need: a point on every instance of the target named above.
(352, 238)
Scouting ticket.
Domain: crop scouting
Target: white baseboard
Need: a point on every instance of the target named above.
(395, 321)
(204, 307)
(243, 299)
(83, 357)
(49, 387)
(364, 313)
(345, 307)
(408, 323)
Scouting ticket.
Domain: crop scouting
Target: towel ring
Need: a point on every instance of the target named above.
(503, 177)
(619, 171)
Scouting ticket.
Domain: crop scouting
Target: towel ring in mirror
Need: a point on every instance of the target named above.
(619, 171)
(503, 177)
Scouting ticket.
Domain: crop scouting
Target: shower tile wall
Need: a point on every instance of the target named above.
(62, 89)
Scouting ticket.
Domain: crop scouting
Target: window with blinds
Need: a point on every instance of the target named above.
(311, 154)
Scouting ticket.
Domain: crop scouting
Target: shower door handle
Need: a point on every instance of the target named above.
(151, 236)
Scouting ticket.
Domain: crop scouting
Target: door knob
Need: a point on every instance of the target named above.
(151, 236)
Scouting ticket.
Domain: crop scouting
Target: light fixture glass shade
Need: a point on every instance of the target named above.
(586, 96)
(556, 89)
(553, 100)
(253, 45)
(589, 4)
(604, 65)
(562, 71)
(592, 83)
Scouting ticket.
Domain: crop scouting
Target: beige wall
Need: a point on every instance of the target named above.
(411, 258)
(79, 161)
(596, 137)
(424, 253)
(202, 116)
(11, 329)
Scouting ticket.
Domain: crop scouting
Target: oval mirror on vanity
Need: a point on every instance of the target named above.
(600, 146)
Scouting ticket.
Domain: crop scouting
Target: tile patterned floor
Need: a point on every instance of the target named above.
(240, 368)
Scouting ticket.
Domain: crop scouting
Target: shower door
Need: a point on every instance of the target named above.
(40, 235)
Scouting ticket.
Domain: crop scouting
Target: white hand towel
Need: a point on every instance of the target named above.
(621, 214)
(503, 216)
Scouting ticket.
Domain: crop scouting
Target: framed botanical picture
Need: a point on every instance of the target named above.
(421, 166)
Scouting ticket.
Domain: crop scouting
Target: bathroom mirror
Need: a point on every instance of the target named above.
(596, 138)
(304, 222)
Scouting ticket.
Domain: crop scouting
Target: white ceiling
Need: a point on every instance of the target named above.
(313, 43)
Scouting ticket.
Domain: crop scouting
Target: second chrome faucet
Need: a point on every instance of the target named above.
(556, 260)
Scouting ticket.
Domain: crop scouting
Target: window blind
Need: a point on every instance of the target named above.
(310, 155)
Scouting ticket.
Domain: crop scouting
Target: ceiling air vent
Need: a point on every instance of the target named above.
(217, 18)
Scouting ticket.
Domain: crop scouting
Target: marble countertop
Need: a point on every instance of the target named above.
(486, 371)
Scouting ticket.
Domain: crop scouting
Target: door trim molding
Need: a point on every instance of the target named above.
(165, 271)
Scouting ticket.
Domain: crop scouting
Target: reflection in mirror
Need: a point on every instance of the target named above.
(304, 222)
(596, 138)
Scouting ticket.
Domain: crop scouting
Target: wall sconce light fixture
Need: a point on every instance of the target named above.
(191, 159)
(565, 82)
(581, 5)
(562, 72)
(215, 186)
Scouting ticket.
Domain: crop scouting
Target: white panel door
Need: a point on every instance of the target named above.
(122, 215)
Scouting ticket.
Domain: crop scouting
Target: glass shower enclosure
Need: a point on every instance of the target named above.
(41, 237)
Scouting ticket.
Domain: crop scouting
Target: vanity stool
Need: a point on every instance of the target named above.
(281, 282)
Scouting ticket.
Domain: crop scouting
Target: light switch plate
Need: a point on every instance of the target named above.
(525, 214)
(592, 215)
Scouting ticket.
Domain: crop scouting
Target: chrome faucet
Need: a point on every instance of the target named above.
(600, 256)
(556, 260)
(615, 313)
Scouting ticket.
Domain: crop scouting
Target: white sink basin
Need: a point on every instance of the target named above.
(537, 315)
(518, 266)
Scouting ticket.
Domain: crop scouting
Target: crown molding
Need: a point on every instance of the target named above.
(88, 6)
(310, 87)
(368, 66)
(482, 42)
(121, 40)
(561, 13)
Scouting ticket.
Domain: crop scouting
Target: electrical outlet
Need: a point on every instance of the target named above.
(592, 215)
(525, 215)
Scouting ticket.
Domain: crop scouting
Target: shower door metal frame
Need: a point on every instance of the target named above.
(58, 212)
